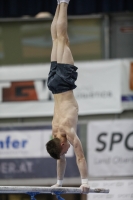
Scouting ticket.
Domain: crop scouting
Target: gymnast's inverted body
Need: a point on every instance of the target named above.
(61, 82)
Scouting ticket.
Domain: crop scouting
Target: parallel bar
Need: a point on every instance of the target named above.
(47, 190)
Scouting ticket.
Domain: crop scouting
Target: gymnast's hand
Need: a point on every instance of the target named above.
(85, 188)
(55, 186)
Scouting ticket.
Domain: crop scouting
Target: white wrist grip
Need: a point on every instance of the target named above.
(59, 182)
(84, 181)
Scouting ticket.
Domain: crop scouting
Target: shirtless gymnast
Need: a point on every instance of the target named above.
(61, 81)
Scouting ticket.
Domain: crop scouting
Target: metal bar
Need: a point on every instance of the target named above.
(47, 190)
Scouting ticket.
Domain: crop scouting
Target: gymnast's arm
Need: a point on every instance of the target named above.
(80, 158)
(61, 166)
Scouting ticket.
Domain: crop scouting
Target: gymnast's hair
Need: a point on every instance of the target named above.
(54, 148)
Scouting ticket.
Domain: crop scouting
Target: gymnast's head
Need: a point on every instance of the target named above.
(57, 147)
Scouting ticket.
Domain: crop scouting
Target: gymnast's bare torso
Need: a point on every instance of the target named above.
(65, 112)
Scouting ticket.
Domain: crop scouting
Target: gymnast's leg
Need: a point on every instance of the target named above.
(62, 75)
(52, 71)
(64, 54)
(54, 35)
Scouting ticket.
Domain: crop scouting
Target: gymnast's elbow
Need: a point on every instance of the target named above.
(78, 151)
(80, 159)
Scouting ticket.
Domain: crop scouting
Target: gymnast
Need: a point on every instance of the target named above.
(61, 82)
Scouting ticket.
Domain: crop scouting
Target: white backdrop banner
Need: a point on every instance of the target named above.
(110, 148)
(119, 190)
(24, 92)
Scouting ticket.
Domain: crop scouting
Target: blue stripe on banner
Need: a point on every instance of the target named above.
(127, 98)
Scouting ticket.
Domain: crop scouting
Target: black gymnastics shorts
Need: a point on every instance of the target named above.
(61, 77)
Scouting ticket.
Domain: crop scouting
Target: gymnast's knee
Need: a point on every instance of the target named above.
(62, 33)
